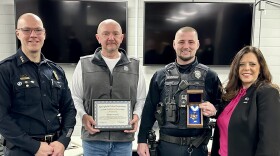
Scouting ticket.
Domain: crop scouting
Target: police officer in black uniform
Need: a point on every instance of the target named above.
(37, 114)
(169, 97)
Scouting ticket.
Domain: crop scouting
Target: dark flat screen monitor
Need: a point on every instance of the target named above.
(71, 25)
(223, 29)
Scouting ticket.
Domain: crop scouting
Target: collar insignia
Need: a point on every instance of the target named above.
(22, 59)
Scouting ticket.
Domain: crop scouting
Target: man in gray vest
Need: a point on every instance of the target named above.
(108, 87)
(181, 98)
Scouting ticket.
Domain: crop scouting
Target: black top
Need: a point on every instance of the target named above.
(253, 128)
(32, 96)
(213, 95)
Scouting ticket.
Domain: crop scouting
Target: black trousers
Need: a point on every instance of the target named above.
(15, 151)
(170, 149)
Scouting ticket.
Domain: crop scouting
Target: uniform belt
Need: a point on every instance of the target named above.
(47, 138)
(182, 141)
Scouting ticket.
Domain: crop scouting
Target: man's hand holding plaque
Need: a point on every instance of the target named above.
(134, 123)
(112, 115)
(88, 123)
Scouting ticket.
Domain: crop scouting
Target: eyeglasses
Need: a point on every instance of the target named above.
(28, 31)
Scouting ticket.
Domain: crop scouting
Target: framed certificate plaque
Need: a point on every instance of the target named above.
(112, 114)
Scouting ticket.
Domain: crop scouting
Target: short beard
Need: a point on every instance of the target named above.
(111, 50)
(186, 58)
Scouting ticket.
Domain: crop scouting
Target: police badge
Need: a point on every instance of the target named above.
(197, 74)
(194, 113)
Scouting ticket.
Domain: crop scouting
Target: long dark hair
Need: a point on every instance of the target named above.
(234, 82)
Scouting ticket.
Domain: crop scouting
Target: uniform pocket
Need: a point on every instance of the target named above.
(27, 92)
(57, 88)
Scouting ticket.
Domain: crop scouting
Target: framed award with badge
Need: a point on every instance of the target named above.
(194, 113)
(112, 114)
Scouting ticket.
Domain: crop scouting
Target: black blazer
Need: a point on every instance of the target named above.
(254, 127)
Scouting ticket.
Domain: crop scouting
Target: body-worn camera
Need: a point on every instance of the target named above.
(183, 100)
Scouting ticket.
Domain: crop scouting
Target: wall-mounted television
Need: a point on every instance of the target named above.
(71, 25)
(223, 29)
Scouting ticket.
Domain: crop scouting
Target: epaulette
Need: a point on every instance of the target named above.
(7, 59)
(55, 65)
(170, 66)
(50, 61)
(202, 66)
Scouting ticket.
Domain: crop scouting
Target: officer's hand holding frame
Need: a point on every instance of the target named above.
(112, 114)
(194, 113)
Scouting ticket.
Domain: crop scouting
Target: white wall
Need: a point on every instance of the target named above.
(267, 26)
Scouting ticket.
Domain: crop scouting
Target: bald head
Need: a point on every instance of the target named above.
(186, 29)
(29, 17)
(31, 33)
(106, 22)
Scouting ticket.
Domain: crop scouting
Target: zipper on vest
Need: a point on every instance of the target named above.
(111, 91)
(111, 83)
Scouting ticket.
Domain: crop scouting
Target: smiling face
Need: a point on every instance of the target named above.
(249, 69)
(186, 44)
(30, 42)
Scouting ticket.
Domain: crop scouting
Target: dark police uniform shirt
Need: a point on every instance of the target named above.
(213, 95)
(31, 98)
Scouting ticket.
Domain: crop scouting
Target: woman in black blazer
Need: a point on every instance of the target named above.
(249, 122)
